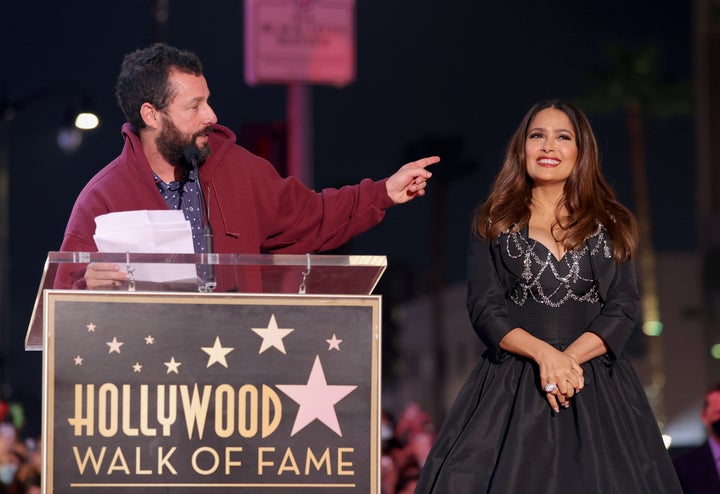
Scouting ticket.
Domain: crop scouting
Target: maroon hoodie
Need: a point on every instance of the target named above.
(252, 209)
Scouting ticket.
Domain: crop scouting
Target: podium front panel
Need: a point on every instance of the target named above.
(190, 393)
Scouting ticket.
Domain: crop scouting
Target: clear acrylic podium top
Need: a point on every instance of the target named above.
(216, 273)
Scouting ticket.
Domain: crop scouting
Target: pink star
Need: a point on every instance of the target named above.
(317, 399)
(334, 343)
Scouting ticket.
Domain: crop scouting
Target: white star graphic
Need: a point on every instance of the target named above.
(217, 353)
(78, 360)
(149, 340)
(114, 345)
(172, 366)
(334, 343)
(317, 399)
(272, 336)
(91, 328)
(137, 367)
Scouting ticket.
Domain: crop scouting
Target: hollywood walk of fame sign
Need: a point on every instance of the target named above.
(210, 393)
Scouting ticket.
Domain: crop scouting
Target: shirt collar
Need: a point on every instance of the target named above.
(190, 176)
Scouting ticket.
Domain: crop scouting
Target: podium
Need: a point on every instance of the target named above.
(162, 386)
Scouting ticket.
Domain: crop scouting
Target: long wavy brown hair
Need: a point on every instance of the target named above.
(587, 197)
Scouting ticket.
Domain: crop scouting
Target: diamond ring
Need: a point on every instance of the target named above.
(549, 388)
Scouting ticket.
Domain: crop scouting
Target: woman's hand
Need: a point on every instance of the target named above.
(560, 376)
(556, 368)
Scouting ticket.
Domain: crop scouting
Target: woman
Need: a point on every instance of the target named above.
(554, 405)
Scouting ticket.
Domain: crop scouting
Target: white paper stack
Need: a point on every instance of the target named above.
(148, 231)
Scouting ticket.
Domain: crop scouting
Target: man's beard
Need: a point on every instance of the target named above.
(171, 144)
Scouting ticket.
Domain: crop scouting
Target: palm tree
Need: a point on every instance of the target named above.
(632, 84)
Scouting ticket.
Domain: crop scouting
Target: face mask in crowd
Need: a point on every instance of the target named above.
(7, 473)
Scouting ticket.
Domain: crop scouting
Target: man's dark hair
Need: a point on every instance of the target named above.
(144, 78)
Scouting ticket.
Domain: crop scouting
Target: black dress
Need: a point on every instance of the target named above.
(501, 436)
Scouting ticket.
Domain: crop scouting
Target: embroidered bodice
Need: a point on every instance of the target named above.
(550, 281)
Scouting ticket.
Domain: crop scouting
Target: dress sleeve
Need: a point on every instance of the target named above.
(486, 297)
(621, 309)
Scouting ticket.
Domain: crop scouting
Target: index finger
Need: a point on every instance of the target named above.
(424, 162)
(581, 383)
(97, 267)
(552, 400)
(103, 266)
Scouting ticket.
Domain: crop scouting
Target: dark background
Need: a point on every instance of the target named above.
(455, 75)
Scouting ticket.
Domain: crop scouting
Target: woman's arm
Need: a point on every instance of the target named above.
(620, 311)
(586, 347)
(486, 298)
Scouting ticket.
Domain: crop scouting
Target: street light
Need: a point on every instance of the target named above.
(86, 120)
(69, 139)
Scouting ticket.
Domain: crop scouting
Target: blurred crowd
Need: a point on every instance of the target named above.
(406, 442)
(20, 458)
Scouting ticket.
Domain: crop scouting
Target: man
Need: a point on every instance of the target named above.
(164, 96)
(698, 469)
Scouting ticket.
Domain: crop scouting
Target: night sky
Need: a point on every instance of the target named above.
(460, 71)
